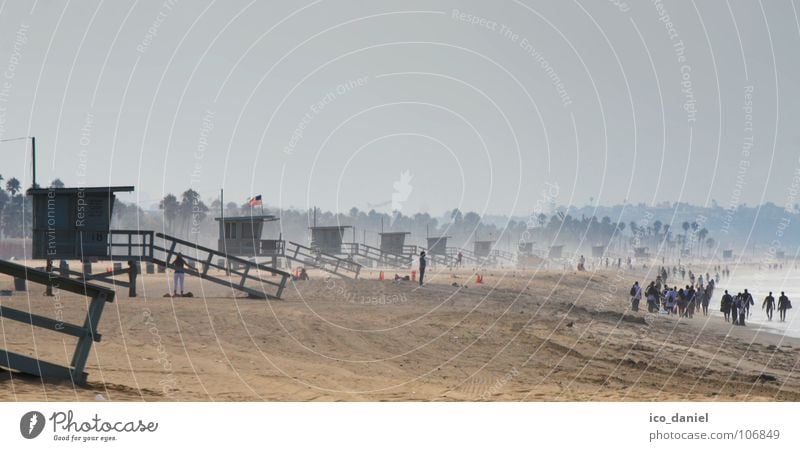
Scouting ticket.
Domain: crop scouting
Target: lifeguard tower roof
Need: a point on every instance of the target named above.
(336, 227)
(248, 218)
(76, 190)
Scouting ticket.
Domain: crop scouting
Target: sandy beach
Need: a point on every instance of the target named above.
(519, 336)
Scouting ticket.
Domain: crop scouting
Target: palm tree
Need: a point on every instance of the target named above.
(701, 235)
(14, 186)
(171, 206)
(192, 210)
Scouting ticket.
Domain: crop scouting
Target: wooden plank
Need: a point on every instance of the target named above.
(40, 368)
(57, 281)
(46, 323)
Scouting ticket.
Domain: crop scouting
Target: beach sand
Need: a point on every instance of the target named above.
(519, 336)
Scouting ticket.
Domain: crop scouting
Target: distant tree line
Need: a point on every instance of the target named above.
(188, 215)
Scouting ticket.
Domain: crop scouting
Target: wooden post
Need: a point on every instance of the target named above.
(49, 268)
(134, 270)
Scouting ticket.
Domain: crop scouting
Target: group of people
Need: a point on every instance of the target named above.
(683, 302)
(737, 308)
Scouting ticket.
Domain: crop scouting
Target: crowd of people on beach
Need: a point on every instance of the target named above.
(696, 296)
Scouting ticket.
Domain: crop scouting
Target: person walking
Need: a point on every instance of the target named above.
(741, 309)
(423, 263)
(636, 293)
(652, 297)
(702, 297)
(769, 305)
(783, 304)
(179, 265)
(726, 305)
(748, 301)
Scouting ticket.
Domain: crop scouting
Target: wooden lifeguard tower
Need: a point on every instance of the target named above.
(641, 252)
(328, 239)
(73, 223)
(598, 251)
(395, 242)
(241, 236)
(556, 251)
(482, 248)
(437, 250)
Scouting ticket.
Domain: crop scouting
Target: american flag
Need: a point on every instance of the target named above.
(255, 200)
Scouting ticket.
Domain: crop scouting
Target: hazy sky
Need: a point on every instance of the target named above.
(482, 104)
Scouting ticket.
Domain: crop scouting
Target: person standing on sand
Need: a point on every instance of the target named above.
(178, 264)
(422, 264)
(725, 305)
(783, 305)
(769, 305)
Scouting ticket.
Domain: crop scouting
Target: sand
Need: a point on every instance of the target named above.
(521, 336)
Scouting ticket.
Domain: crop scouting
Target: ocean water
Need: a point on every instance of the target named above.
(760, 283)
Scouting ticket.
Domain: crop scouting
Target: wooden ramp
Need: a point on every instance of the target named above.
(86, 334)
(246, 276)
(379, 256)
(326, 262)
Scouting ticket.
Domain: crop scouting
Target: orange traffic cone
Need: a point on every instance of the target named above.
(413, 276)
(380, 276)
(478, 278)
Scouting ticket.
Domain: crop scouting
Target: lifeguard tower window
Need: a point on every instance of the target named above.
(230, 230)
(72, 223)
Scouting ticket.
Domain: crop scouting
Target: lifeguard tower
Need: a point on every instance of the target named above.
(598, 251)
(727, 254)
(482, 248)
(395, 243)
(556, 251)
(437, 250)
(641, 252)
(525, 248)
(328, 239)
(241, 236)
